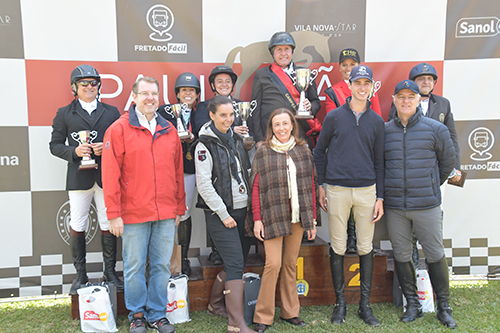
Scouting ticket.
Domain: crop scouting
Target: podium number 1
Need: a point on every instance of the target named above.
(300, 268)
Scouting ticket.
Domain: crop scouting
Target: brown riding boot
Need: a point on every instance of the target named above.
(234, 306)
(216, 305)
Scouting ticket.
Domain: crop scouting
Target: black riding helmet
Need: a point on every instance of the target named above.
(423, 69)
(221, 69)
(281, 38)
(187, 80)
(82, 72)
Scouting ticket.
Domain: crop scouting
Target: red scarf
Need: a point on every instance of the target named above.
(287, 81)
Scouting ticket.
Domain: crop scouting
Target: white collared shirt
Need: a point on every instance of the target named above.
(289, 70)
(150, 125)
(425, 106)
(89, 107)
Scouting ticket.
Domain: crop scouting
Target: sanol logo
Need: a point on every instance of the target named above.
(477, 27)
(91, 315)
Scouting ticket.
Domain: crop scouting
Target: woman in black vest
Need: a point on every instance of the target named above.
(222, 167)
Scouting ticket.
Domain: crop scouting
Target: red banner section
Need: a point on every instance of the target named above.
(48, 82)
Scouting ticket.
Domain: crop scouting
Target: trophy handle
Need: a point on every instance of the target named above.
(93, 135)
(168, 110)
(236, 108)
(75, 137)
(314, 75)
(253, 106)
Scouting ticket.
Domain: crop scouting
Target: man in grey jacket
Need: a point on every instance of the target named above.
(419, 156)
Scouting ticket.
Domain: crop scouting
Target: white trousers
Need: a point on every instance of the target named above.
(79, 203)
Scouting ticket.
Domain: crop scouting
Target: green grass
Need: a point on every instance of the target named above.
(476, 307)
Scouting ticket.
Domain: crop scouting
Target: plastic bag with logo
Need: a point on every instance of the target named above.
(96, 314)
(424, 291)
(178, 299)
(250, 295)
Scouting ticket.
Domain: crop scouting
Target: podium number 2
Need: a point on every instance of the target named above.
(354, 282)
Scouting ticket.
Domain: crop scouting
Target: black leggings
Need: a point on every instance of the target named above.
(232, 245)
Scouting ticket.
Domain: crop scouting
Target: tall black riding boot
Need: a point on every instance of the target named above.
(366, 274)
(351, 235)
(440, 279)
(337, 268)
(184, 238)
(78, 252)
(408, 282)
(108, 244)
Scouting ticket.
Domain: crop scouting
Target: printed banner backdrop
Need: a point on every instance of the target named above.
(472, 29)
(164, 38)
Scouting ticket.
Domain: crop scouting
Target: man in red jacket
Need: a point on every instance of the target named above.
(144, 193)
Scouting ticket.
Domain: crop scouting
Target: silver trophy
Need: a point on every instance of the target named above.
(85, 136)
(245, 110)
(302, 81)
(175, 110)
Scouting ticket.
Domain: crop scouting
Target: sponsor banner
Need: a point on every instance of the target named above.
(341, 22)
(472, 29)
(50, 225)
(479, 148)
(152, 31)
(14, 159)
(11, 30)
(117, 80)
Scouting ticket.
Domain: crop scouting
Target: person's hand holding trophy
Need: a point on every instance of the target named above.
(84, 149)
(245, 111)
(302, 81)
(175, 110)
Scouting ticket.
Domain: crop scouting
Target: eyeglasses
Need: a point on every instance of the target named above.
(146, 94)
(84, 83)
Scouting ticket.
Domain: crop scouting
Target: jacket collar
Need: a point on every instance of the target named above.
(348, 99)
(162, 125)
(77, 108)
(206, 131)
(413, 119)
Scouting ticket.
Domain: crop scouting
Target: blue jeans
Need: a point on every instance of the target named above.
(140, 240)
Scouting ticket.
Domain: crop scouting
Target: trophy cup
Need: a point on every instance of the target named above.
(302, 81)
(175, 110)
(85, 137)
(245, 110)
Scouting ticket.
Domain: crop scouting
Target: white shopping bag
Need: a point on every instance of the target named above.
(424, 291)
(178, 299)
(96, 314)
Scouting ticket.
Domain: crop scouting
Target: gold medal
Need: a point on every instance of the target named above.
(189, 157)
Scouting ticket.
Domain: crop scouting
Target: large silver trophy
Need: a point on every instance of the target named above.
(245, 110)
(85, 137)
(175, 110)
(302, 81)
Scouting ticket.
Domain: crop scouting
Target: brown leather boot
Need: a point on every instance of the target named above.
(216, 305)
(234, 302)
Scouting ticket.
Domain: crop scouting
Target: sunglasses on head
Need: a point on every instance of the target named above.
(85, 83)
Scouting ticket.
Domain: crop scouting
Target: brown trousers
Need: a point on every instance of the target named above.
(281, 254)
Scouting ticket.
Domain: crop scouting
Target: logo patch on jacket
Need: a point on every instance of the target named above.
(106, 146)
(202, 155)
